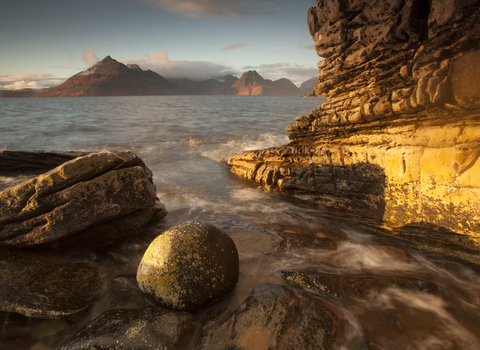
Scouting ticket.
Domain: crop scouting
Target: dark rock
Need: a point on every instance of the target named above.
(260, 322)
(317, 329)
(354, 286)
(41, 287)
(78, 195)
(189, 266)
(151, 328)
(36, 162)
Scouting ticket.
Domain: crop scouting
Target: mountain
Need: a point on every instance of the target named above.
(111, 78)
(252, 83)
(206, 87)
(307, 86)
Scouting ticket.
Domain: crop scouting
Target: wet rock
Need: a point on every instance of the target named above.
(260, 322)
(354, 286)
(189, 266)
(45, 288)
(151, 328)
(81, 194)
(317, 329)
(403, 96)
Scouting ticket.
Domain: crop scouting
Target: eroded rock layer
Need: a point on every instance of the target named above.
(398, 138)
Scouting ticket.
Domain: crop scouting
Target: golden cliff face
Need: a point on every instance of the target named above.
(398, 138)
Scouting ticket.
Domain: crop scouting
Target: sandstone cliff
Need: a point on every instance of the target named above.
(398, 138)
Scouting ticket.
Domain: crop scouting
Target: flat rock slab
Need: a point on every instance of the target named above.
(81, 194)
(150, 328)
(43, 288)
(270, 318)
(354, 286)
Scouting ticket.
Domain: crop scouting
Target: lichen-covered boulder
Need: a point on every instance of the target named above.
(79, 195)
(189, 266)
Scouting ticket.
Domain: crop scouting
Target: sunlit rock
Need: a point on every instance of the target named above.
(396, 141)
(189, 266)
(100, 192)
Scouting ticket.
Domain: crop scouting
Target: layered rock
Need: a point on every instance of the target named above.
(397, 139)
(100, 195)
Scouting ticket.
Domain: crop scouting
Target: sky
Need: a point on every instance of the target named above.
(44, 42)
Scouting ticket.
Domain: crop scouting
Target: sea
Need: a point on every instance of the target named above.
(183, 140)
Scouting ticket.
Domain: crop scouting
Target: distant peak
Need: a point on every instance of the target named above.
(107, 58)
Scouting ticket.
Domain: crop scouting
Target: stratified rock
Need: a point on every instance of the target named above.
(189, 266)
(260, 322)
(44, 288)
(151, 328)
(98, 191)
(354, 286)
(397, 140)
(317, 329)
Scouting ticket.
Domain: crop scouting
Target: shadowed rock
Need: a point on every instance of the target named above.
(43, 287)
(151, 328)
(353, 286)
(84, 193)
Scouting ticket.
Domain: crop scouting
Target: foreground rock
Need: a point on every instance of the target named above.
(396, 141)
(151, 328)
(44, 288)
(189, 266)
(267, 319)
(354, 286)
(100, 192)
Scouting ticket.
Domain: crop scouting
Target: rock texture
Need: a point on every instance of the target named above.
(398, 138)
(41, 287)
(151, 328)
(101, 192)
(268, 319)
(189, 266)
(111, 78)
(252, 83)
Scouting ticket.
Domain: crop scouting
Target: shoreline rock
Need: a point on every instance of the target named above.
(189, 266)
(396, 142)
(81, 194)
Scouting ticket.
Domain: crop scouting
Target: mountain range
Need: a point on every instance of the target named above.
(112, 78)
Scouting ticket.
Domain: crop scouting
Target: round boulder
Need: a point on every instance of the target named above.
(189, 266)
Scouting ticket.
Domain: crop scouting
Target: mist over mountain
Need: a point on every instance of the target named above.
(109, 77)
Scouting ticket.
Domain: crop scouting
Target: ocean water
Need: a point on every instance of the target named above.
(182, 139)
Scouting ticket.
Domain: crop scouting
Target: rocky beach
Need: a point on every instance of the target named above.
(360, 233)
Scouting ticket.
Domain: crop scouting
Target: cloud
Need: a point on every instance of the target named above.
(196, 70)
(233, 47)
(28, 81)
(89, 57)
(309, 47)
(216, 8)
